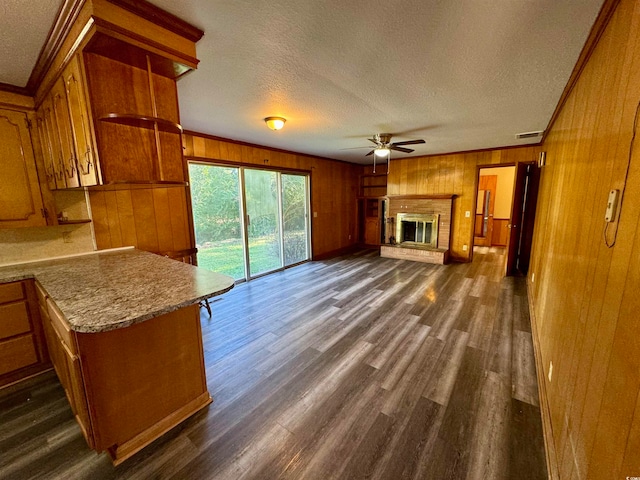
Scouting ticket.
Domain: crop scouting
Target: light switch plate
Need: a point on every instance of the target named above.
(612, 204)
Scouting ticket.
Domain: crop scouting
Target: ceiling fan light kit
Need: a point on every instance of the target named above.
(381, 152)
(384, 146)
(275, 123)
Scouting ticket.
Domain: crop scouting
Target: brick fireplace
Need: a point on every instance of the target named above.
(419, 228)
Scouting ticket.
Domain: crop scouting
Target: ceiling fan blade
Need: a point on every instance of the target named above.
(353, 148)
(400, 149)
(370, 153)
(372, 140)
(408, 142)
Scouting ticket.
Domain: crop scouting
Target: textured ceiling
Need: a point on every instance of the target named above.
(24, 25)
(463, 74)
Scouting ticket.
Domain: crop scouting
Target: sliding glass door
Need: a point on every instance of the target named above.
(264, 240)
(294, 218)
(249, 221)
(217, 218)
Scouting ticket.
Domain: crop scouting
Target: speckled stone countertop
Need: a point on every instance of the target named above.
(108, 290)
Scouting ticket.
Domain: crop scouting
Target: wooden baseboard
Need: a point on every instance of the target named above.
(335, 253)
(547, 428)
(119, 453)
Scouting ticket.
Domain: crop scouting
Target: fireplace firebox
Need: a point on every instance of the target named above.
(417, 229)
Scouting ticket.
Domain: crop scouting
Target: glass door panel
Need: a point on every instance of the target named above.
(217, 218)
(294, 218)
(263, 221)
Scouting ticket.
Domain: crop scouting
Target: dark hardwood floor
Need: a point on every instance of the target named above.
(356, 367)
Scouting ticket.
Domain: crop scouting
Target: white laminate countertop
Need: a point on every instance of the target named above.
(115, 289)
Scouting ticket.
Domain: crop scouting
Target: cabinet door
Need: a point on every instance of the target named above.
(47, 149)
(63, 131)
(20, 196)
(53, 139)
(67, 366)
(372, 231)
(80, 124)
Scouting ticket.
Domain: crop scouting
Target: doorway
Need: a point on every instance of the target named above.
(493, 206)
(248, 221)
(525, 199)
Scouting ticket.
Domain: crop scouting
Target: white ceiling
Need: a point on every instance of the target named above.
(24, 25)
(463, 74)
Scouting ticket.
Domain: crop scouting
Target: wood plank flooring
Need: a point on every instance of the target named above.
(355, 367)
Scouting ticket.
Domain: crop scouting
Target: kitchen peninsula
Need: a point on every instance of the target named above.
(123, 333)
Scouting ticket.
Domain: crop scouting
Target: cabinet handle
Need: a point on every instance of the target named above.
(60, 174)
(71, 163)
(87, 160)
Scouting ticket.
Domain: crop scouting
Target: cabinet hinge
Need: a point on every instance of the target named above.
(44, 212)
(28, 122)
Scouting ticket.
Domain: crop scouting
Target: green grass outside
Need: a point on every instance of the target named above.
(226, 257)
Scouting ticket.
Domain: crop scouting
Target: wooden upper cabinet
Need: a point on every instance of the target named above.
(20, 198)
(46, 147)
(136, 124)
(86, 155)
(53, 141)
(64, 134)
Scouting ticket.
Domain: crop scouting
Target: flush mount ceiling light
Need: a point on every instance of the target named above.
(275, 123)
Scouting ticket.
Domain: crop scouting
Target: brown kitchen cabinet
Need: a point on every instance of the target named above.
(128, 386)
(20, 196)
(371, 220)
(22, 346)
(81, 126)
(136, 124)
(65, 133)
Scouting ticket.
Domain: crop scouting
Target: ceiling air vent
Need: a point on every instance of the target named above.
(521, 136)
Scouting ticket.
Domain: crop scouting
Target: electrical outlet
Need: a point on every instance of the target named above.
(66, 237)
(550, 371)
(464, 248)
(467, 214)
(349, 237)
(315, 214)
(533, 277)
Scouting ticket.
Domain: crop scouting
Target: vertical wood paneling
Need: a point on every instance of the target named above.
(152, 218)
(452, 174)
(334, 185)
(585, 295)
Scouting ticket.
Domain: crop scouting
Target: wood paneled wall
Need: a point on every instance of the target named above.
(334, 185)
(151, 219)
(452, 174)
(585, 295)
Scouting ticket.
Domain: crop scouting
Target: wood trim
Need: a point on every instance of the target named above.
(599, 26)
(161, 18)
(112, 30)
(422, 197)
(545, 412)
(339, 252)
(464, 152)
(65, 18)
(264, 147)
(120, 453)
(7, 87)
(231, 163)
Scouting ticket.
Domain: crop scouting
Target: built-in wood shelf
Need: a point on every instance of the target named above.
(74, 222)
(141, 121)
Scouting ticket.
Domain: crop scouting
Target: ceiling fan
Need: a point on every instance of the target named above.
(384, 146)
